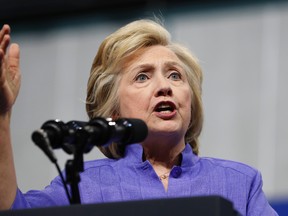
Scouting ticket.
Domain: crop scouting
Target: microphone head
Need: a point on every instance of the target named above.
(136, 130)
(55, 132)
(41, 139)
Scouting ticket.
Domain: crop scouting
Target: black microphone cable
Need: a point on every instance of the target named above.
(41, 139)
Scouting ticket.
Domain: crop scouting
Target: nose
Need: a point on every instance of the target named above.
(163, 87)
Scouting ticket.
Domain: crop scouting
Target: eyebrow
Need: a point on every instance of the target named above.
(166, 64)
(174, 63)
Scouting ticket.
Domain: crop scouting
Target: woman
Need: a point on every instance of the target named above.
(138, 73)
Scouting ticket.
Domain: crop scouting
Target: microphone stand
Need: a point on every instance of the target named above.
(76, 137)
(75, 166)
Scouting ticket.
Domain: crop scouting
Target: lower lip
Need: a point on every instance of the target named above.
(166, 115)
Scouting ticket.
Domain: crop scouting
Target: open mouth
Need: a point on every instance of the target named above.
(165, 107)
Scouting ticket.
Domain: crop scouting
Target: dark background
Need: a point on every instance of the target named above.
(23, 11)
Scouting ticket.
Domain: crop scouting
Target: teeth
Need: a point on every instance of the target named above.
(164, 108)
(166, 111)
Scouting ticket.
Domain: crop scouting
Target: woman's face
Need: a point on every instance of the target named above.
(154, 88)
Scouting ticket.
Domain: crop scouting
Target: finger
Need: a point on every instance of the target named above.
(3, 47)
(4, 37)
(14, 50)
(5, 30)
(14, 57)
(1, 55)
(5, 43)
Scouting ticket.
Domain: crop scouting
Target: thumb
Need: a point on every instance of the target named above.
(14, 54)
(13, 59)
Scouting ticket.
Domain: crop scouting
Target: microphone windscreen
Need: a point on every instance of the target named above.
(136, 130)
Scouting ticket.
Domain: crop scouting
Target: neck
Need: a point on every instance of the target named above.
(163, 156)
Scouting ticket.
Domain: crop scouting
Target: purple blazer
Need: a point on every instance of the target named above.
(131, 178)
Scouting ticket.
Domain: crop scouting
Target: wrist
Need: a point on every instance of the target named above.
(5, 119)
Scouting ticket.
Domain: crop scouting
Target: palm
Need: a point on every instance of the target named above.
(9, 72)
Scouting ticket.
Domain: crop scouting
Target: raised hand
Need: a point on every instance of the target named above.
(9, 88)
(10, 77)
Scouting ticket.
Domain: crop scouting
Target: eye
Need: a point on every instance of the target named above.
(175, 76)
(141, 77)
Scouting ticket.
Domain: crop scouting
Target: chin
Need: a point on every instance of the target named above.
(166, 131)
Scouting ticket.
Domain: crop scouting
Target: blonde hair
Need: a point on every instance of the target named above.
(102, 99)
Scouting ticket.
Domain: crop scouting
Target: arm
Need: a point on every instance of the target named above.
(9, 87)
(257, 203)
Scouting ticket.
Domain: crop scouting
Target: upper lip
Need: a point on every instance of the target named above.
(163, 104)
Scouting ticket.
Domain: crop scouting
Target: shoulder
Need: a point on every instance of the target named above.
(229, 166)
(94, 164)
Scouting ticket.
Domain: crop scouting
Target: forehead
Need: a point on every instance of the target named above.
(151, 54)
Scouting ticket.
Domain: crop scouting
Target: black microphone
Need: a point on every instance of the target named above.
(98, 131)
(41, 139)
(58, 133)
(123, 131)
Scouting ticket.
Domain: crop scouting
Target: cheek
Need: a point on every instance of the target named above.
(132, 106)
(186, 104)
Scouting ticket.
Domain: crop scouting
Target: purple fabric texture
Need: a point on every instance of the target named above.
(130, 178)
